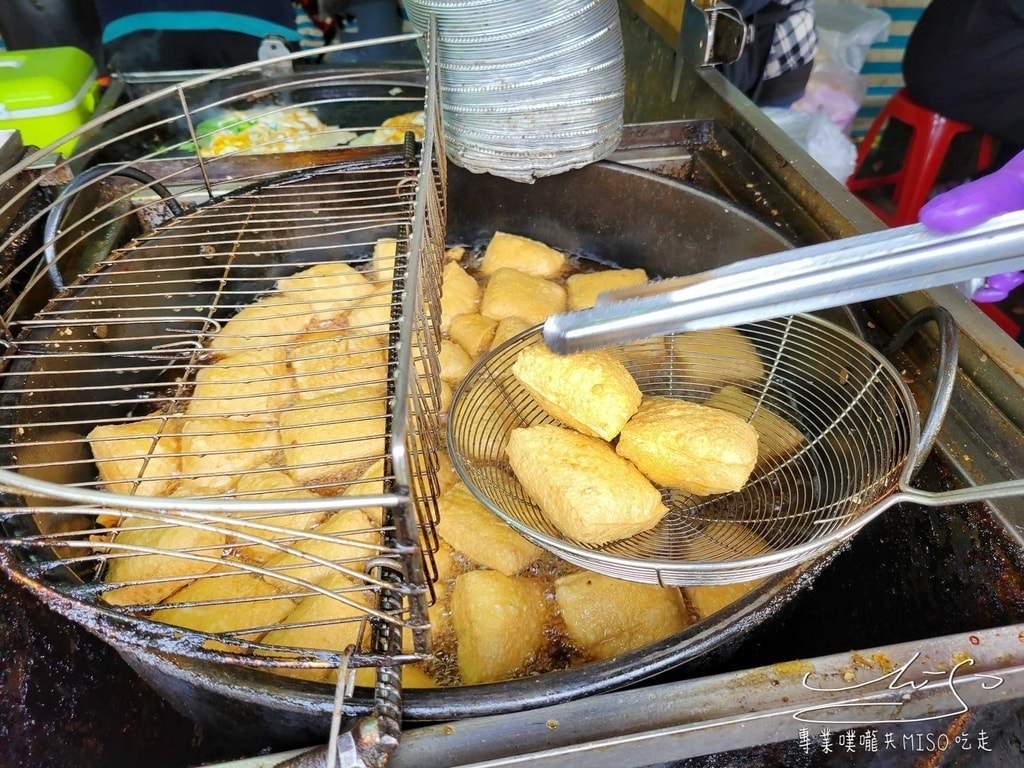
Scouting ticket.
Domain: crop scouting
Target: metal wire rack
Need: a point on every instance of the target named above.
(219, 384)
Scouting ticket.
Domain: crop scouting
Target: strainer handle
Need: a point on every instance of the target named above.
(944, 382)
(949, 348)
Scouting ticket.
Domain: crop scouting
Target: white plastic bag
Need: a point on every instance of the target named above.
(821, 138)
(846, 31)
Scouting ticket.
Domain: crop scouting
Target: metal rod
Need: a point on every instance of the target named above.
(805, 279)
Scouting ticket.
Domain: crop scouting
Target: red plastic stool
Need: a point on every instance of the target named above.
(895, 196)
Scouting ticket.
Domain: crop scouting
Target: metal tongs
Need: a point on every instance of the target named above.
(806, 279)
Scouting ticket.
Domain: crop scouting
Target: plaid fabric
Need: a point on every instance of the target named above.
(796, 39)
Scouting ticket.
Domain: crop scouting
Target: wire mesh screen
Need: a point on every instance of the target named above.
(833, 423)
(219, 384)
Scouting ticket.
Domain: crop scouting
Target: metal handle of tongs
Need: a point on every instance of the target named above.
(805, 279)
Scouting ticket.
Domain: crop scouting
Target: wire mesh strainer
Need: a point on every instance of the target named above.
(838, 436)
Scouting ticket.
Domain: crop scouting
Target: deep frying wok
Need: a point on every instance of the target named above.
(620, 215)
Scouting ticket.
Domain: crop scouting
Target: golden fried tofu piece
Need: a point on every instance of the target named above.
(472, 529)
(473, 333)
(159, 575)
(385, 258)
(331, 288)
(605, 617)
(710, 359)
(521, 253)
(275, 319)
(591, 392)
(511, 293)
(334, 436)
(582, 288)
(709, 600)
(372, 315)
(371, 482)
(507, 328)
(347, 538)
(582, 486)
(499, 624)
(145, 450)
(455, 363)
(325, 622)
(777, 438)
(332, 359)
(251, 384)
(460, 293)
(216, 452)
(268, 482)
(227, 600)
(684, 445)
(412, 677)
(446, 474)
(446, 393)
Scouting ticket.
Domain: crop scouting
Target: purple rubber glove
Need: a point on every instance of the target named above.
(977, 201)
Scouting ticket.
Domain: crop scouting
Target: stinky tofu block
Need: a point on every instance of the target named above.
(582, 486)
(334, 436)
(446, 474)
(455, 363)
(679, 444)
(370, 482)
(275, 319)
(325, 622)
(158, 575)
(777, 438)
(226, 600)
(343, 542)
(591, 392)
(265, 482)
(472, 529)
(708, 360)
(499, 625)
(709, 600)
(382, 269)
(446, 393)
(473, 332)
(583, 288)
(250, 384)
(507, 328)
(331, 289)
(460, 293)
(371, 315)
(216, 452)
(146, 450)
(511, 293)
(332, 359)
(522, 253)
(412, 677)
(605, 617)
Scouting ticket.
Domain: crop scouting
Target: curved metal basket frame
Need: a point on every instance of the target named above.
(799, 505)
(83, 198)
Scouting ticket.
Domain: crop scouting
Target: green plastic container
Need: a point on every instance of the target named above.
(46, 93)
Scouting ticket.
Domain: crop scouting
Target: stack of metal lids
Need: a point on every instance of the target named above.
(528, 89)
